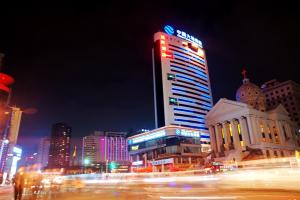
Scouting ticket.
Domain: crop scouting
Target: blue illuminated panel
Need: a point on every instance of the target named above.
(147, 137)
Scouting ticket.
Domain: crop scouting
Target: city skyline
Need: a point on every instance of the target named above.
(77, 92)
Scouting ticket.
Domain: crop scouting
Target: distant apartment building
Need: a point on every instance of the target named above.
(286, 93)
(59, 152)
(104, 146)
(43, 152)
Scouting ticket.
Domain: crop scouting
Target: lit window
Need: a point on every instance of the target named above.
(171, 76)
(173, 101)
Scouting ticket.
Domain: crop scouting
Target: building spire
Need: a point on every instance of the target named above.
(244, 73)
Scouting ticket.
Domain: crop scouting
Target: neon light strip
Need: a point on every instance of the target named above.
(184, 56)
(198, 72)
(188, 101)
(183, 89)
(202, 102)
(185, 51)
(201, 77)
(197, 127)
(190, 111)
(184, 92)
(147, 137)
(190, 79)
(201, 121)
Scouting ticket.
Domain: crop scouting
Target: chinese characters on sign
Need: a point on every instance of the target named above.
(188, 133)
(188, 37)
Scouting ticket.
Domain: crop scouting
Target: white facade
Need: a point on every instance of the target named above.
(43, 152)
(181, 82)
(236, 129)
(15, 121)
(91, 149)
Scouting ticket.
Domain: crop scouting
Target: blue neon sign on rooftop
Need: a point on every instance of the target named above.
(182, 34)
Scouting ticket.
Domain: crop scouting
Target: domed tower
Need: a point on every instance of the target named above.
(251, 94)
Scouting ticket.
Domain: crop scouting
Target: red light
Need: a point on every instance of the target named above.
(162, 42)
(167, 55)
(162, 37)
(163, 48)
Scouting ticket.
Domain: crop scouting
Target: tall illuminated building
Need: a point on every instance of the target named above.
(182, 90)
(6, 115)
(105, 146)
(43, 152)
(59, 152)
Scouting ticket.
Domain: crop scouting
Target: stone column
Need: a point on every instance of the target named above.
(288, 130)
(269, 126)
(244, 131)
(235, 134)
(252, 129)
(226, 135)
(280, 132)
(218, 137)
(265, 127)
(213, 141)
(258, 131)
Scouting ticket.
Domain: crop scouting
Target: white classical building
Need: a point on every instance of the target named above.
(243, 129)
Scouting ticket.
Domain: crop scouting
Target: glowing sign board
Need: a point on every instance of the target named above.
(188, 37)
(169, 29)
(134, 148)
(182, 34)
(139, 162)
(188, 133)
(164, 161)
(17, 150)
(147, 137)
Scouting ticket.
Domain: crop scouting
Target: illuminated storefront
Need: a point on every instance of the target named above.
(169, 148)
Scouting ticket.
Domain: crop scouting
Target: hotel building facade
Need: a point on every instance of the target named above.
(182, 91)
(182, 98)
(102, 147)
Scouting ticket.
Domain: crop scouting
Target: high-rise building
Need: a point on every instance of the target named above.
(59, 152)
(104, 146)
(181, 80)
(6, 118)
(113, 146)
(43, 152)
(91, 150)
(14, 125)
(286, 93)
(5, 82)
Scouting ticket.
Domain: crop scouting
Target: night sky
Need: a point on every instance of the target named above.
(90, 66)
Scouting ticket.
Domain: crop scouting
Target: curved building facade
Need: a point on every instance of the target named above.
(181, 81)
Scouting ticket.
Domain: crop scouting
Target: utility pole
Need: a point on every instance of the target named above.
(1, 60)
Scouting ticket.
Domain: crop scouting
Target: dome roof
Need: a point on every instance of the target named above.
(251, 94)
